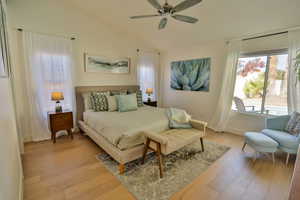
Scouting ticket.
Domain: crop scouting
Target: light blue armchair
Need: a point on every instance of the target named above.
(275, 129)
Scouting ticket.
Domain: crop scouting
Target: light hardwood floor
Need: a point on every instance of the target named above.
(68, 170)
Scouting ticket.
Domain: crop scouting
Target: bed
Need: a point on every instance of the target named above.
(119, 134)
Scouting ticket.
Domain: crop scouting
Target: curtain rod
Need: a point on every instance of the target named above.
(267, 35)
(72, 38)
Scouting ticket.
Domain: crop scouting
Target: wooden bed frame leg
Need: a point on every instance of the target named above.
(121, 168)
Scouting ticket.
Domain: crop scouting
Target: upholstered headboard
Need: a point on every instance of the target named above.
(82, 89)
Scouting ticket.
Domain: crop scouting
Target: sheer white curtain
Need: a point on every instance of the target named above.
(147, 73)
(220, 118)
(293, 88)
(48, 68)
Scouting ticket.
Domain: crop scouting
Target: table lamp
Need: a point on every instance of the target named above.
(57, 96)
(149, 91)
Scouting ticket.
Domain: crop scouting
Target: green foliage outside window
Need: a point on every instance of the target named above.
(254, 88)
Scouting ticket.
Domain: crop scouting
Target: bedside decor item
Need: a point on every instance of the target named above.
(149, 91)
(107, 65)
(60, 121)
(191, 75)
(57, 96)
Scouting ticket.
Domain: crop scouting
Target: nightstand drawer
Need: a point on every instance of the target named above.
(61, 116)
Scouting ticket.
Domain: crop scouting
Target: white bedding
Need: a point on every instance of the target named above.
(123, 129)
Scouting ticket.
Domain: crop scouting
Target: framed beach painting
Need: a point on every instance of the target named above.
(107, 65)
(191, 75)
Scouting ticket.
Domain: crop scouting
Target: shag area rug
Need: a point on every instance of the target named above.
(180, 169)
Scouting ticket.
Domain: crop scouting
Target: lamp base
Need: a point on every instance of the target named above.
(149, 99)
(58, 107)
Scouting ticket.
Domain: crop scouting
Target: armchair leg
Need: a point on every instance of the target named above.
(202, 145)
(273, 157)
(244, 146)
(287, 159)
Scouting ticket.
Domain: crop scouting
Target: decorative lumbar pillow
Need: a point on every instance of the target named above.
(178, 118)
(112, 103)
(99, 101)
(118, 92)
(293, 125)
(127, 102)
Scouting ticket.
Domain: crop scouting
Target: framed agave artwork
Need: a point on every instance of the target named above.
(191, 75)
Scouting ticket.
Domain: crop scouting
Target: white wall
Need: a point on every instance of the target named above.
(202, 105)
(57, 17)
(10, 162)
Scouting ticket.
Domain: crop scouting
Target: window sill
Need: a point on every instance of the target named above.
(256, 114)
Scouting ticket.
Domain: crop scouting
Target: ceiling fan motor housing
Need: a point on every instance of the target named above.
(166, 9)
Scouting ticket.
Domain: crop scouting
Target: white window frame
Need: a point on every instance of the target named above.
(268, 54)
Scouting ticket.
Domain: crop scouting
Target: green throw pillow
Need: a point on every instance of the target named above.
(127, 102)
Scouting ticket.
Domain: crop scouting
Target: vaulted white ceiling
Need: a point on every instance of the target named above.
(218, 19)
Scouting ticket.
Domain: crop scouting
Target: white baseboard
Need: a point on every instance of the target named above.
(236, 131)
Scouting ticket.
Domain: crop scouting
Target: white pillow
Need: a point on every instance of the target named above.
(87, 100)
(112, 103)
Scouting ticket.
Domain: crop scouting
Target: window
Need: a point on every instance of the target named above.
(261, 83)
(4, 57)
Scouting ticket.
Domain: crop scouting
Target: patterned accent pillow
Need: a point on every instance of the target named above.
(139, 97)
(293, 125)
(99, 101)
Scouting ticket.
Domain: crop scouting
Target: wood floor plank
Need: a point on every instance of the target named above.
(69, 170)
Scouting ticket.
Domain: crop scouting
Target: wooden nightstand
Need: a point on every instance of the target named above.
(60, 121)
(151, 103)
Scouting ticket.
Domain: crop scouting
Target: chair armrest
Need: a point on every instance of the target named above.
(156, 137)
(277, 123)
(200, 125)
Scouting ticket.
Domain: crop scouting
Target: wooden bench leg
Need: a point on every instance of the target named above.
(145, 150)
(159, 159)
(202, 145)
(121, 168)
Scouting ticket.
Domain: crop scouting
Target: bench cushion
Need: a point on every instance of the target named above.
(260, 142)
(178, 138)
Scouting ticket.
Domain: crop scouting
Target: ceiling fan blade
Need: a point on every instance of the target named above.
(185, 5)
(162, 23)
(143, 16)
(184, 18)
(155, 4)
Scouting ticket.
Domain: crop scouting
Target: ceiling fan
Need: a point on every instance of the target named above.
(167, 9)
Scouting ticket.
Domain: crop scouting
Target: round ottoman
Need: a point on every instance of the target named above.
(261, 143)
